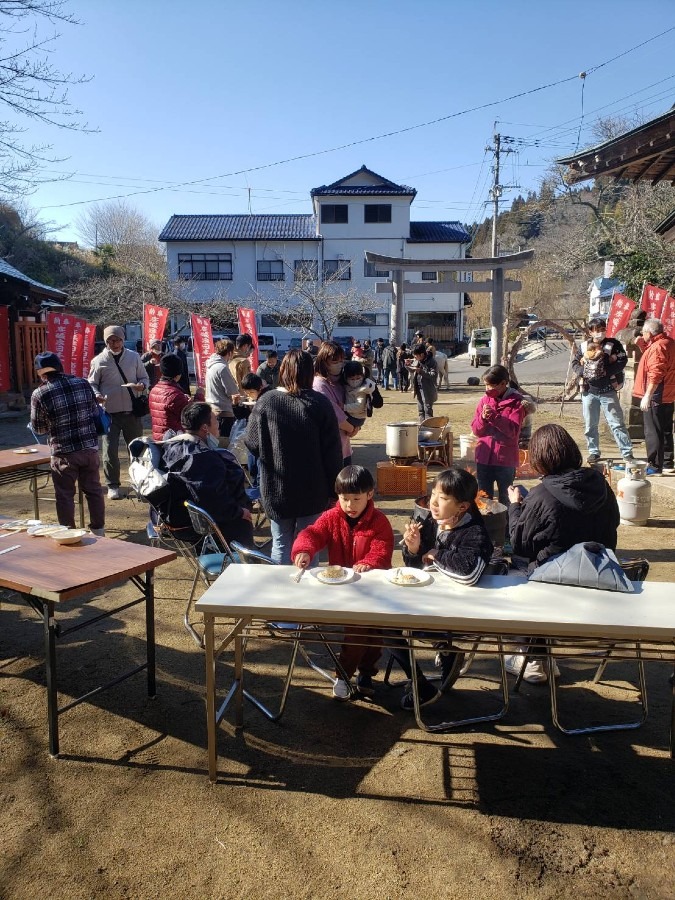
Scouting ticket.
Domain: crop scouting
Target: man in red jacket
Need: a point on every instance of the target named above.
(358, 536)
(167, 399)
(655, 386)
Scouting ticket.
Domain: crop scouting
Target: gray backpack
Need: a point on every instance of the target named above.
(588, 565)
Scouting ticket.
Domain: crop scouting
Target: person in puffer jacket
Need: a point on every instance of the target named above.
(497, 422)
(571, 505)
(167, 399)
(360, 537)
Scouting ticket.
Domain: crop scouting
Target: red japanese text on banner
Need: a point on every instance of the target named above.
(154, 323)
(60, 328)
(76, 353)
(247, 326)
(652, 300)
(668, 316)
(88, 347)
(202, 345)
(5, 379)
(619, 314)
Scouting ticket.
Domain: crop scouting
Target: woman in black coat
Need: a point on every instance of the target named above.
(571, 505)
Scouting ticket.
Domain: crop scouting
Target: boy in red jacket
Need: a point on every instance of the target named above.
(358, 536)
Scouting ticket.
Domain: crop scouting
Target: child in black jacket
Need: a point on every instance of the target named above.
(454, 539)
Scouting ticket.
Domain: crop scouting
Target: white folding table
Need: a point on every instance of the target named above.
(498, 606)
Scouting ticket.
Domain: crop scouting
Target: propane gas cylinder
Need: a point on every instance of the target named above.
(634, 496)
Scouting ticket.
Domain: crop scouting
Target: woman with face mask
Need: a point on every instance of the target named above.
(496, 423)
(328, 367)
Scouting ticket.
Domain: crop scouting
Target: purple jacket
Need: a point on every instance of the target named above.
(498, 436)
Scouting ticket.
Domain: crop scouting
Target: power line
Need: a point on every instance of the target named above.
(370, 139)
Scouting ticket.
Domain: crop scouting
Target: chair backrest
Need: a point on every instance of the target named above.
(251, 556)
(204, 525)
(432, 429)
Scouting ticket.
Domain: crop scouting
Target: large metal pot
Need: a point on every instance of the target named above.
(401, 441)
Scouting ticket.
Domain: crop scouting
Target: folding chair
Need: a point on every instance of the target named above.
(433, 443)
(213, 555)
(460, 664)
(296, 632)
(637, 570)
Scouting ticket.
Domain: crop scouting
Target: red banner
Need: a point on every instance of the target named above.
(668, 316)
(88, 345)
(247, 326)
(652, 300)
(78, 341)
(60, 328)
(619, 314)
(5, 375)
(202, 345)
(154, 323)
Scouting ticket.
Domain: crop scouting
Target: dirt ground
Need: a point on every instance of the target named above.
(338, 800)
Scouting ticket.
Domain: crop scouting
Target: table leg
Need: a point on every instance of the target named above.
(36, 504)
(210, 696)
(150, 629)
(49, 628)
(239, 681)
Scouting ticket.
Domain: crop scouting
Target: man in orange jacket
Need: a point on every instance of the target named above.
(655, 386)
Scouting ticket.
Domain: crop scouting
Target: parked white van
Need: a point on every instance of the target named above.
(479, 347)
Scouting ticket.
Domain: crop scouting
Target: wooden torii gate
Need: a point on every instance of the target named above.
(497, 285)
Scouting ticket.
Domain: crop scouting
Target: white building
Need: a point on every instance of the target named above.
(362, 211)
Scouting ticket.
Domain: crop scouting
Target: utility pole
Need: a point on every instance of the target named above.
(497, 301)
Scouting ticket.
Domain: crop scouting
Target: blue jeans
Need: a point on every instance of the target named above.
(284, 532)
(611, 408)
(503, 475)
(388, 376)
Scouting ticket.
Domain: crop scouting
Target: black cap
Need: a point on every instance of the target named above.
(47, 362)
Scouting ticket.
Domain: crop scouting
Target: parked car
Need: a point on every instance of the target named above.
(479, 347)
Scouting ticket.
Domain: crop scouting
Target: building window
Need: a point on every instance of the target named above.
(337, 269)
(306, 270)
(334, 213)
(355, 320)
(270, 270)
(377, 212)
(429, 276)
(370, 271)
(205, 266)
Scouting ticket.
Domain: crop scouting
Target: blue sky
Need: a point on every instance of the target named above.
(203, 90)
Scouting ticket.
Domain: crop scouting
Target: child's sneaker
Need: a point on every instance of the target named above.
(364, 685)
(341, 690)
(428, 695)
(535, 670)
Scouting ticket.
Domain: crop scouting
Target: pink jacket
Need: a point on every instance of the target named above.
(498, 436)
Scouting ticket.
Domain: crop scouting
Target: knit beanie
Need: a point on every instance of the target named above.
(113, 331)
(170, 365)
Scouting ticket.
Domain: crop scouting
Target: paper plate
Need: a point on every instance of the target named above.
(320, 575)
(69, 536)
(27, 450)
(19, 524)
(403, 576)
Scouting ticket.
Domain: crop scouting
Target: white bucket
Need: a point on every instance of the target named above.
(467, 446)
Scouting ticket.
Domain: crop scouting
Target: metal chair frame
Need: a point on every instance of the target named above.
(434, 449)
(289, 630)
(637, 570)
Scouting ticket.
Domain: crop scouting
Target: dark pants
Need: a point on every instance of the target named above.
(360, 650)
(240, 530)
(403, 379)
(389, 375)
(225, 424)
(67, 470)
(658, 422)
(425, 408)
(503, 475)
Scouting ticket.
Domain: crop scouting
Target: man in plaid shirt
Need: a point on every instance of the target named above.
(64, 408)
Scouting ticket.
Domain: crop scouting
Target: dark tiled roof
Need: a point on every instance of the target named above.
(385, 188)
(11, 272)
(240, 228)
(438, 233)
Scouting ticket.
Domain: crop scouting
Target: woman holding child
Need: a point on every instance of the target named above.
(328, 381)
